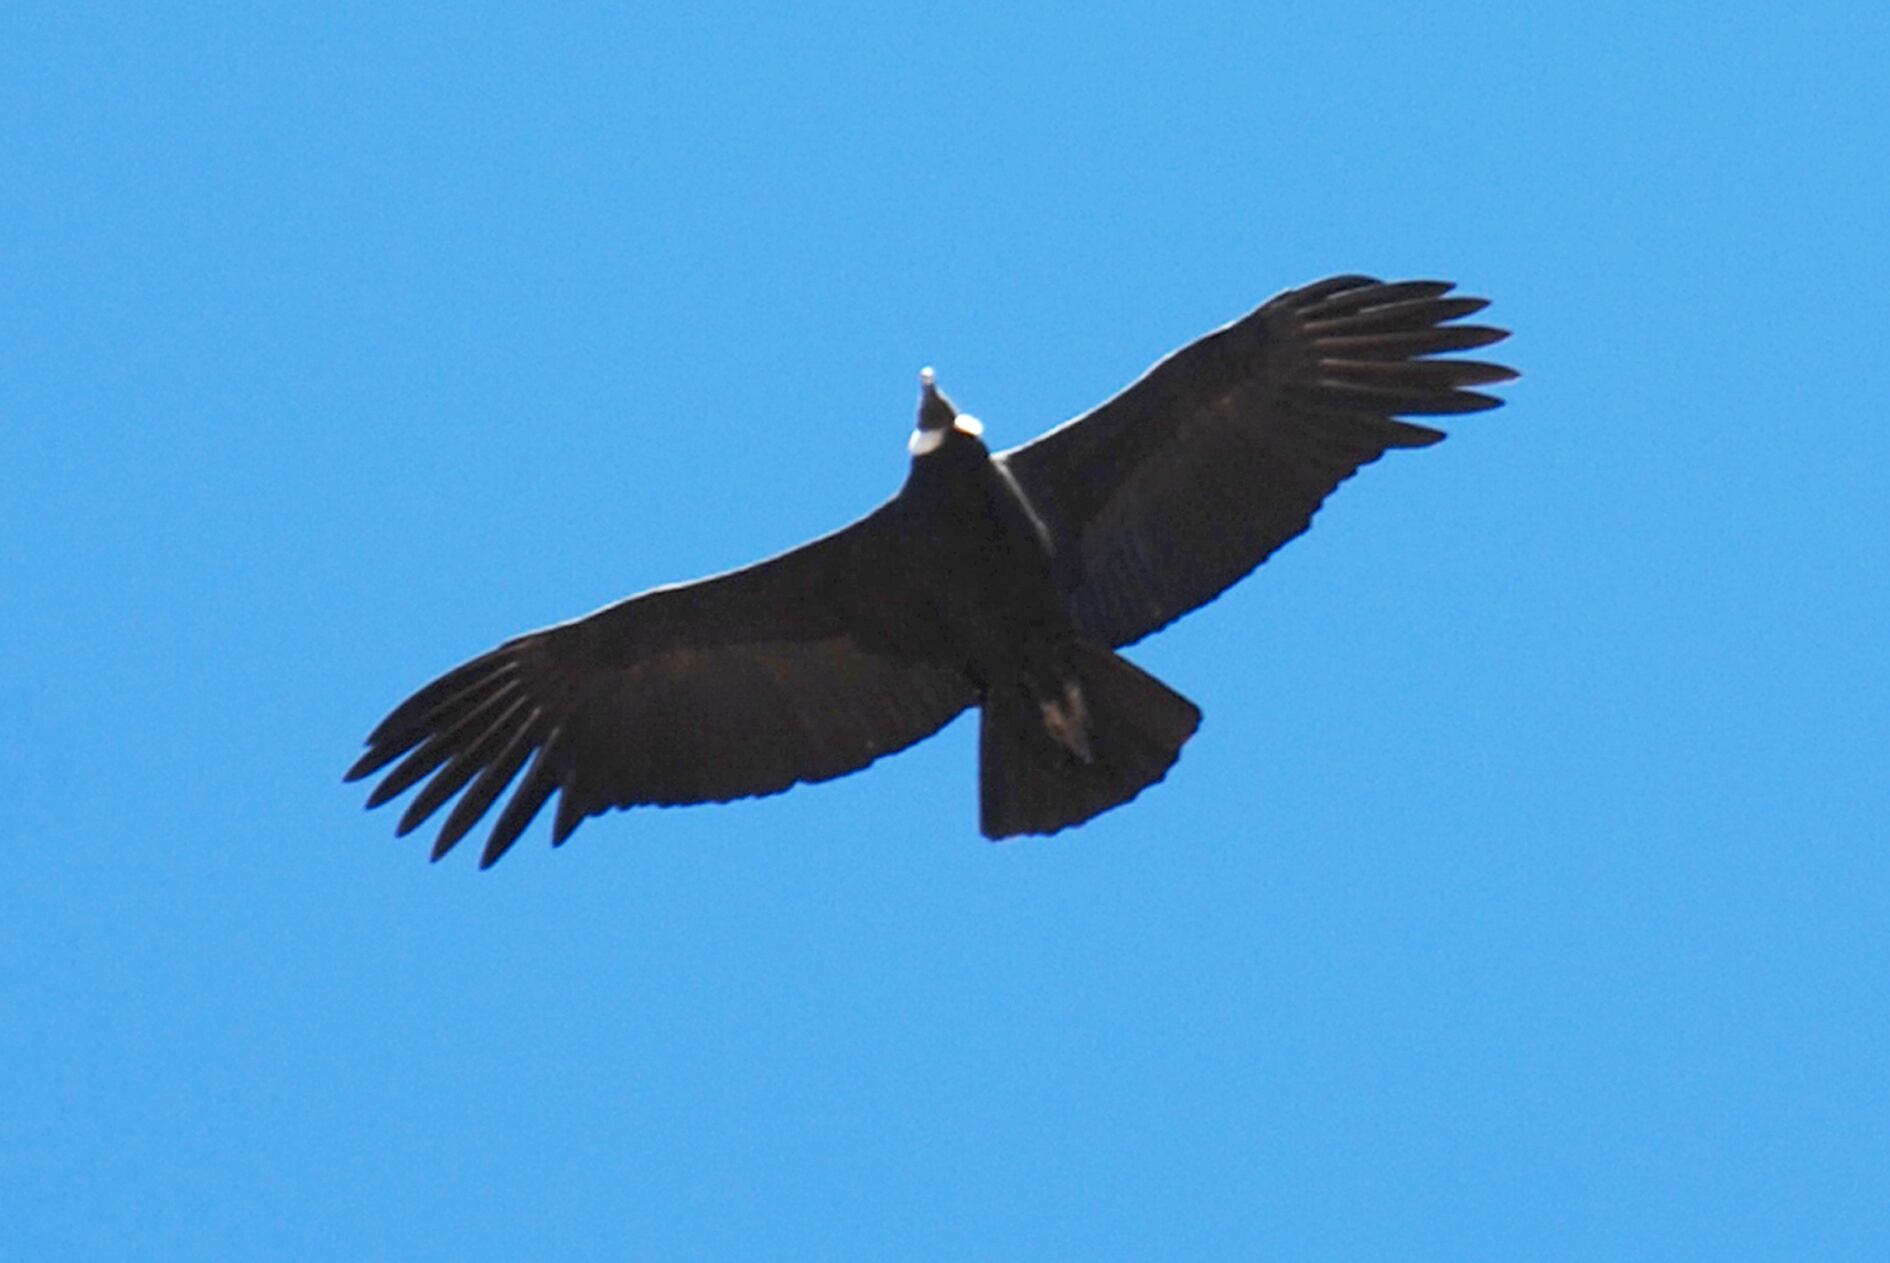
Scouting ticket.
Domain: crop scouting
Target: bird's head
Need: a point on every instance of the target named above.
(938, 418)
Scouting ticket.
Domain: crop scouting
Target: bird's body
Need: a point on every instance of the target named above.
(969, 533)
(1068, 727)
(1003, 581)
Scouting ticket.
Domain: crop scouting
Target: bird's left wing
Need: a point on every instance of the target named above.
(1161, 497)
(799, 668)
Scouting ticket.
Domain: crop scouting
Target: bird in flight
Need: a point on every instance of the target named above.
(1005, 581)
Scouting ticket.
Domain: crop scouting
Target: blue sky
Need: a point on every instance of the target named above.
(1524, 895)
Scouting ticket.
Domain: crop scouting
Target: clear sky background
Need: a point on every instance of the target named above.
(1525, 894)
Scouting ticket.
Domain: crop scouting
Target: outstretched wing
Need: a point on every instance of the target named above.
(1165, 495)
(799, 668)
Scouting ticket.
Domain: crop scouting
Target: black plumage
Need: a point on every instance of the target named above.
(1004, 581)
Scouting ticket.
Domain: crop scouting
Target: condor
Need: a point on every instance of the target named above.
(1003, 581)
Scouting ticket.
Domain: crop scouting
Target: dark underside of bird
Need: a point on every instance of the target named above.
(1005, 581)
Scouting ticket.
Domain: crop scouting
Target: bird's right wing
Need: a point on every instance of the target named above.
(799, 668)
(1165, 495)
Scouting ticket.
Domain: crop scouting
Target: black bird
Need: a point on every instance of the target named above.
(1003, 581)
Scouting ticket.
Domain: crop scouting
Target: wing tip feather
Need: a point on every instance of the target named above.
(372, 760)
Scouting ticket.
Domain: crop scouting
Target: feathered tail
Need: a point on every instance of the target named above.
(1044, 767)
